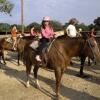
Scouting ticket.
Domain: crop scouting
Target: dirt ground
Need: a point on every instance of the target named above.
(13, 80)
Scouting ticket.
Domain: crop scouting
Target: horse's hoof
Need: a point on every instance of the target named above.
(5, 63)
(82, 75)
(37, 84)
(38, 87)
(57, 97)
(27, 85)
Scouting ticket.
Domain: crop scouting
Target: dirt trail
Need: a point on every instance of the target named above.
(13, 78)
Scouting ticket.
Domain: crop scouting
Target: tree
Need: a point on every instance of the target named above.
(97, 23)
(36, 26)
(57, 26)
(4, 27)
(82, 26)
(6, 6)
(91, 26)
(18, 26)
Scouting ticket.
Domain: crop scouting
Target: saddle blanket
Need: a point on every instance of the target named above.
(9, 39)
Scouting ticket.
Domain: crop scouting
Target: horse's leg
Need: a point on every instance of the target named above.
(28, 70)
(3, 58)
(35, 70)
(18, 58)
(82, 66)
(58, 75)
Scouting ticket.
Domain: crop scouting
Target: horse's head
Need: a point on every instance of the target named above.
(91, 49)
(6, 43)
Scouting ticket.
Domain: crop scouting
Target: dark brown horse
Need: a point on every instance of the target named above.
(4, 45)
(81, 74)
(58, 55)
(21, 43)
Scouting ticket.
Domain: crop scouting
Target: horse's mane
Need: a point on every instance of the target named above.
(66, 37)
(28, 37)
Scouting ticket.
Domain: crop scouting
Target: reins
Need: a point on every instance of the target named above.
(91, 49)
(87, 41)
(49, 47)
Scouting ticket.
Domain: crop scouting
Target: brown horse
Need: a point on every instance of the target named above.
(21, 42)
(58, 55)
(81, 74)
(4, 45)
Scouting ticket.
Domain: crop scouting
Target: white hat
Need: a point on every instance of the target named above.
(46, 18)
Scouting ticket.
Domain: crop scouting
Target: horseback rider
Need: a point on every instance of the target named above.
(71, 29)
(14, 36)
(33, 32)
(47, 33)
(92, 32)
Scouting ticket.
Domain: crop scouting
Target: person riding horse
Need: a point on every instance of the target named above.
(71, 29)
(14, 36)
(47, 33)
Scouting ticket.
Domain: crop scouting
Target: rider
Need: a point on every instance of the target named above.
(33, 33)
(47, 33)
(71, 29)
(14, 36)
(92, 33)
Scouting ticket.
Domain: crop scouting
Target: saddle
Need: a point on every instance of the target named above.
(10, 40)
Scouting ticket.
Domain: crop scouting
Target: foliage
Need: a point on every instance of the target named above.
(82, 26)
(6, 6)
(4, 27)
(97, 23)
(57, 26)
(19, 27)
(36, 26)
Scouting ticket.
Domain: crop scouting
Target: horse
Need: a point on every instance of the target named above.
(7, 44)
(81, 74)
(21, 41)
(58, 55)
(4, 45)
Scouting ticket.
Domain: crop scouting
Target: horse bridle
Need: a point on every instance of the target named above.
(88, 41)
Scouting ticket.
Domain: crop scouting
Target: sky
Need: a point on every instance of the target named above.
(85, 11)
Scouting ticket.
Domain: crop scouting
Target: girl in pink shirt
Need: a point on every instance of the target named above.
(47, 33)
(46, 29)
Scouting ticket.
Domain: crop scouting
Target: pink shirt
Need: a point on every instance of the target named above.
(47, 32)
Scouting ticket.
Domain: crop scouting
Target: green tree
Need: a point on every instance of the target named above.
(4, 27)
(91, 26)
(97, 23)
(19, 27)
(57, 26)
(36, 26)
(6, 6)
(82, 26)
